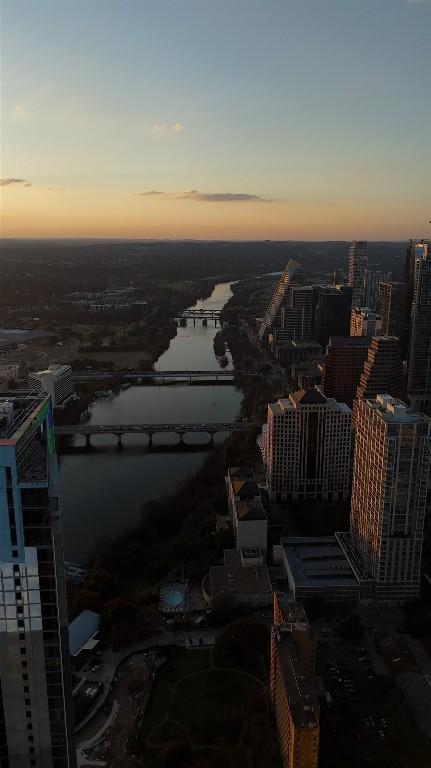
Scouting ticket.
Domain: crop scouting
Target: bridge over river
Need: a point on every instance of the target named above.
(220, 376)
(210, 428)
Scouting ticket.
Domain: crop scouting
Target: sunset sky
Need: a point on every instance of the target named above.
(283, 119)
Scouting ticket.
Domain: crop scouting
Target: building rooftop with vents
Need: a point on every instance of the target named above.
(243, 579)
(319, 567)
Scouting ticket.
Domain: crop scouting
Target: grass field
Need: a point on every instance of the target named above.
(201, 715)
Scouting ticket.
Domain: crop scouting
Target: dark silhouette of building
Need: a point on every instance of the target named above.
(342, 367)
(392, 298)
(332, 314)
(278, 297)
(357, 265)
(419, 363)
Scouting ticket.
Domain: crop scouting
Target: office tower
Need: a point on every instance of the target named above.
(307, 447)
(365, 322)
(372, 281)
(293, 689)
(332, 315)
(392, 300)
(342, 367)
(383, 371)
(36, 722)
(277, 299)
(409, 270)
(56, 380)
(419, 362)
(392, 465)
(357, 264)
(297, 316)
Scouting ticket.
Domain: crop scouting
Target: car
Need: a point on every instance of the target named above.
(96, 667)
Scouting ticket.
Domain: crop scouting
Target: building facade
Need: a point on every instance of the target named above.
(383, 371)
(392, 465)
(307, 447)
(357, 265)
(365, 322)
(56, 381)
(419, 362)
(332, 314)
(278, 297)
(392, 300)
(293, 689)
(342, 367)
(36, 719)
(372, 281)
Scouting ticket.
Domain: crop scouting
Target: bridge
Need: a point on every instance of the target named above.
(162, 377)
(199, 314)
(210, 428)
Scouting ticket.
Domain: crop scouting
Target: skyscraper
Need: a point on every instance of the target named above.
(307, 447)
(383, 371)
(372, 281)
(357, 264)
(392, 464)
(36, 722)
(342, 367)
(419, 362)
(392, 299)
(277, 299)
(332, 314)
(297, 315)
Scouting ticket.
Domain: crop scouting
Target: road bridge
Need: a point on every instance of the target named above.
(219, 376)
(118, 430)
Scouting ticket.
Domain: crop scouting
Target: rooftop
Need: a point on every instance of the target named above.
(234, 579)
(348, 341)
(245, 488)
(311, 396)
(18, 412)
(300, 690)
(82, 630)
(394, 411)
(317, 562)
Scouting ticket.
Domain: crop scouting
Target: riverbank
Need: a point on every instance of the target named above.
(176, 534)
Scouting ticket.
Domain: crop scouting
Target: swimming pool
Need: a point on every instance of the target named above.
(173, 599)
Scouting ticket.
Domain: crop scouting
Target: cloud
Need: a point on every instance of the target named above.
(160, 128)
(221, 197)
(149, 193)
(8, 181)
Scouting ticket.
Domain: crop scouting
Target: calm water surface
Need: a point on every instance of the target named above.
(102, 491)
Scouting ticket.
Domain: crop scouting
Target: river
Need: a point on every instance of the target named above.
(102, 491)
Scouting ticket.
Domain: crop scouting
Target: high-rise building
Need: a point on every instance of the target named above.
(357, 264)
(36, 720)
(383, 371)
(306, 446)
(392, 464)
(56, 381)
(297, 316)
(409, 271)
(277, 299)
(419, 362)
(392, 300)
(342, 367)
(332, 314)
(293, 689)
(372, 281)
(365, 322)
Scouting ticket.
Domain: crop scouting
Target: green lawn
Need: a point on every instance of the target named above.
(220, 717)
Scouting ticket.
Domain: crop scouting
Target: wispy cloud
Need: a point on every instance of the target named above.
(160, 128)
(7, 181)
(150, 193)
(222, 197)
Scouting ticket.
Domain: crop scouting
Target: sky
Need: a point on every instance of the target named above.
(216, 119)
